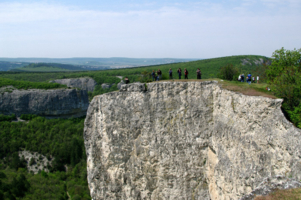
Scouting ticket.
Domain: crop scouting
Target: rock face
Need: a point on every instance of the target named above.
(48, 103)
(82, 83)
(193, 140)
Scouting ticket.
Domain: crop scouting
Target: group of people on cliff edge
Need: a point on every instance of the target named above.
(249, 78)
(156, 76)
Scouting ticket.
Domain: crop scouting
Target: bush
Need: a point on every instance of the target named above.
(7, 117)
(228, 72)
(28, 116)
(284, 75)
(145, 77)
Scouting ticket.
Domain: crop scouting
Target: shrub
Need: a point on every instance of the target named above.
(228, 72)
(28, 116)
(7, 117)
(284, 75)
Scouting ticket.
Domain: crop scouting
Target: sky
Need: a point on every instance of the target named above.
(148, 28)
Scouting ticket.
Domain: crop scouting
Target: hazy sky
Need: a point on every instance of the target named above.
(148, 29)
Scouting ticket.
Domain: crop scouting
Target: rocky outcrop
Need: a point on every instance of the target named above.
(81, 83)
(48, 103)
(36, 162)
(186, 140)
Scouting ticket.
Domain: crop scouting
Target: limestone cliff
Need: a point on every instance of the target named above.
(82, 83)
(48, 103)
(186, 140)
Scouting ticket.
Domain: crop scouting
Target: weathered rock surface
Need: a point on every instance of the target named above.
(271, 184)
(82, 83)
(40, 161)
(189, 140)
(48, 103)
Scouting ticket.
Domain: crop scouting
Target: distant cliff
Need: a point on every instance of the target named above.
(48, 103)
(186, 140)
(82, 83)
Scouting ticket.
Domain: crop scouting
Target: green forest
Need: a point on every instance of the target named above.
(61, 140)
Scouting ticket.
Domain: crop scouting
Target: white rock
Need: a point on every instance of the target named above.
(186, 140)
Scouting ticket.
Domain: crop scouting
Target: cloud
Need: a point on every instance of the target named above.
(198, 30)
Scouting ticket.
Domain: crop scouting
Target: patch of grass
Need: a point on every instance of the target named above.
(250, 90)
(253, 89)
(291, 194)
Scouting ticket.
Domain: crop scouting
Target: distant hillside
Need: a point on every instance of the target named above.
(6, 66)
(101, 63)
(48, 67)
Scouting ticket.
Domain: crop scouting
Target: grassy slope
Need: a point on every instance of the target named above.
(28, 84)
(42, 69)
(253, 89)
(209, 68)
(292, 194)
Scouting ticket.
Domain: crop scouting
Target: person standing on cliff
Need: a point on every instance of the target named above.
(180, 73)
(186, 73)
(170, 73)
(153, 75)
(126, 80)
(242, 78)
(198, 73)
(159, 74)
(249, 78)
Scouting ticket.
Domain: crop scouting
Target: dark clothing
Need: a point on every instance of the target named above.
(153, 74)
(127, 81)
(170, 74)
(180, 74)
(242, 78)
(198, 74)
(159, 75)
(186, 74)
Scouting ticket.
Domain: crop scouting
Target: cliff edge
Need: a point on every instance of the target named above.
(186, 140)
(48, 103)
